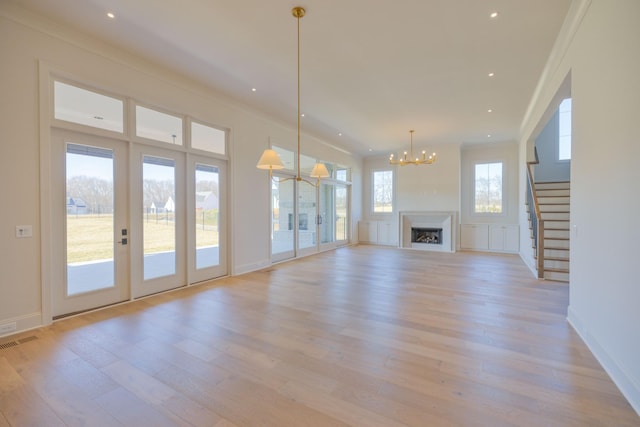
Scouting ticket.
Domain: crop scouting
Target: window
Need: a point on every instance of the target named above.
(342, 173)
(564, 140)
(383, 191)
(207, 138)
(158, 126)
(76, 105)
(488, 188)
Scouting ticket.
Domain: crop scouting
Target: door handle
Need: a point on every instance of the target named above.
(123, 241)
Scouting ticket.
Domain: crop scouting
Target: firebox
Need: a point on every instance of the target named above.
(426, 235)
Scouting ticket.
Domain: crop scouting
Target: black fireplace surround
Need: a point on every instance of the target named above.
(432, 236)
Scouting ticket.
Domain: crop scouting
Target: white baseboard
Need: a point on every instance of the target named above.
(22, 323)
(628, 386)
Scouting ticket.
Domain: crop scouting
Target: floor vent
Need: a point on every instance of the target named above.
(17, 342)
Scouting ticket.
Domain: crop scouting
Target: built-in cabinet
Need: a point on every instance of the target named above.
(490, 237)
(377, 232)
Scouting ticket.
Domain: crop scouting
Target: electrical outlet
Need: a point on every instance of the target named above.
(7, 327)
(24, 231)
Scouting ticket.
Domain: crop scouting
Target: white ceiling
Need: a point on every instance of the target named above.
(371, 69)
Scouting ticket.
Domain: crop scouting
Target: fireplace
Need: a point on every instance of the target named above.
(429, 236)
(428, 230)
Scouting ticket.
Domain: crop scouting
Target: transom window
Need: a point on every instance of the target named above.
(84, 107)
(488, 188)
(158, 126)
(208, 138)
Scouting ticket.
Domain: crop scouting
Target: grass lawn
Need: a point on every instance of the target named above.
(91, 237)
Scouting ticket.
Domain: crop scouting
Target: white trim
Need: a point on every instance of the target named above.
(24, 323)
(573, 20)
(629, 386)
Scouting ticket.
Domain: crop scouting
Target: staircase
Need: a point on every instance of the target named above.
(554, 203)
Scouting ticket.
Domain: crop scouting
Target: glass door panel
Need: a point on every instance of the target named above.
(327, 217)
(159, 227)
(282, 218)
(90, 222)
(307, 211)
(342, 210)
(207, 230)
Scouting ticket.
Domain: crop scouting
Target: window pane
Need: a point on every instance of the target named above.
(282, 215)
(207, 231)
(383, 191)
(306, 215)
(306, 164)
(158, 126)
(90, 226)
(341, 174)
(488, 188)
(84, 107)
(564, 142)
(287, 157)
(341, 212)
(159, 233)
(207, 138)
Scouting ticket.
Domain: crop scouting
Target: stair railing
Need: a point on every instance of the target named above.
(535, 216)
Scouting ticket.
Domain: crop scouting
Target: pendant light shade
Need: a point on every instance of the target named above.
(319, 171)
(270, 160)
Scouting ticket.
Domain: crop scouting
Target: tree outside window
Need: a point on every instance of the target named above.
(383, 191)
(488, 188)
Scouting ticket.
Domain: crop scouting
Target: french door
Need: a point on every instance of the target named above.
(158, 208)
(206, 196)
(90, 211)
(132, 220)
(306, 219)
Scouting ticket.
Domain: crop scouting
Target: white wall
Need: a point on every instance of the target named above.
(30, 44)
(434, 187)
(601, 53)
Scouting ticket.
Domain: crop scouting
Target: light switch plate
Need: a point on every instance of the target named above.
(24, 231)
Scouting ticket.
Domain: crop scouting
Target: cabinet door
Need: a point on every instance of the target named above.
(496, 237)
(385, 233)
(474, 236)
(504, 238)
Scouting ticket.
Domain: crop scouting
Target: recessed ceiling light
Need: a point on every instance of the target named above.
(489, 110)
(370, 149)
(302, 115)
(339, 133)
(493, 15)
(111, 15)
(253, 89)
(489, 136)
(491, 74)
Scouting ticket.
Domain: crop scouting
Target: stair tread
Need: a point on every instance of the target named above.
(555, 259)
(557, 270)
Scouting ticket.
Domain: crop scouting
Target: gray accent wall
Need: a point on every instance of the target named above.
(550, 168)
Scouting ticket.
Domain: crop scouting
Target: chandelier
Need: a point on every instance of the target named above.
(408, 159)
(270, 159)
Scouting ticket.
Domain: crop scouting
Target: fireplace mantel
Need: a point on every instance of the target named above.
(428, 219)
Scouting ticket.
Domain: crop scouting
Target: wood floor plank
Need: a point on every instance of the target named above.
(360, 336)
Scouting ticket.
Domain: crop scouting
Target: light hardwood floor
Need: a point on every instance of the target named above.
(363, 336)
